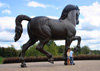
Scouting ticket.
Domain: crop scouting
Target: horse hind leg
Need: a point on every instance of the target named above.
(24, 48)
(40, 48)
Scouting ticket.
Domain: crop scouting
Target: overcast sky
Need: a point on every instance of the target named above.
(88, 28)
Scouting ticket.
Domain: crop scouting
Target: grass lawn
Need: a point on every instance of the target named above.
(1, 60)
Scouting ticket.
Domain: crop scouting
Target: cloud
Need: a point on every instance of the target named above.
(36, 4)
(6, 11)
(1, 4)
(4, 5)
(89, 38)
(6, 36)
(53, 17)
(7, 31)
(17, 45)
(7, 23)
(88, 34)
(91, 17)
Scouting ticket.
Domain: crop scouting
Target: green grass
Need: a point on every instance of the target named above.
(1, 60)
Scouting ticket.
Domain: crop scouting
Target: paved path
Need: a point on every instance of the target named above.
(91, 65)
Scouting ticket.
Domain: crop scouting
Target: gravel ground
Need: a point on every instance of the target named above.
(84, 65)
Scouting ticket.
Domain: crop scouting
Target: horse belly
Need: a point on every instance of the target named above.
(59, 35)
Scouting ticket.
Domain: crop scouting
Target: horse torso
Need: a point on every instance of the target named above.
(51, 28)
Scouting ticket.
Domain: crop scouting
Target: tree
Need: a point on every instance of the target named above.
(52, 48)
(85, 50)
(32, 51)
(8, 52)
(96, 52)
(61, 50)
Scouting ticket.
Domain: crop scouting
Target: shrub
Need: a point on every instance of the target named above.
(56, 58)
(1, 60)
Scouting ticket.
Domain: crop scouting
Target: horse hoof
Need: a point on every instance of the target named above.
(51, 60)
(76, 49)
(65, 63)
(23, 66)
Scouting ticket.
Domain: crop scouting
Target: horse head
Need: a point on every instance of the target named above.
(71, 13)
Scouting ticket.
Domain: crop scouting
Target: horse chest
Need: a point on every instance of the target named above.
(71, 31)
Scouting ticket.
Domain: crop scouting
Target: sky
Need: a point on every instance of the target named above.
(88, 28)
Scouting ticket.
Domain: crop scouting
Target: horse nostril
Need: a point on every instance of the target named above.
(77, 22)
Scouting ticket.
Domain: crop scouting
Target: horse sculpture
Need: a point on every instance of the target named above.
(44, 29)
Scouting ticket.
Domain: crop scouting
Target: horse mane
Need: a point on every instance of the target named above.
(67, 9)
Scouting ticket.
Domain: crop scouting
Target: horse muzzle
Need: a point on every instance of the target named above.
(77, 22)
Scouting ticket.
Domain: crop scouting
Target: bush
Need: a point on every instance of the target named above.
(8, 52)
(1, 60)
(87, 57)
(56, 58)
(29, 59)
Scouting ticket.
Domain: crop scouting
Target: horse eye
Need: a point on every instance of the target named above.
(76, 14)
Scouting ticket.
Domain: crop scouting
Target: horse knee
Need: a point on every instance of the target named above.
(23, 48)
(38, 48)
(79, 38)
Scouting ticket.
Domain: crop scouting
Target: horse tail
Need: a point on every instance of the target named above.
(18, 28)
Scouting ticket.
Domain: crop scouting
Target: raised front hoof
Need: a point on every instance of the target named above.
(23, 65)
(76, 49)
(51, 60)
(65, 63)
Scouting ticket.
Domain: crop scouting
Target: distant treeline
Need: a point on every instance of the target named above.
(50, 47)
(9, 52)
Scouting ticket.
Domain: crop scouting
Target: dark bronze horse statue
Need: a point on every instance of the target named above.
(44, 29)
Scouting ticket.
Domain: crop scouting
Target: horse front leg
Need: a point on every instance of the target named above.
(67, 45)
(68, 41)
(78, 38)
